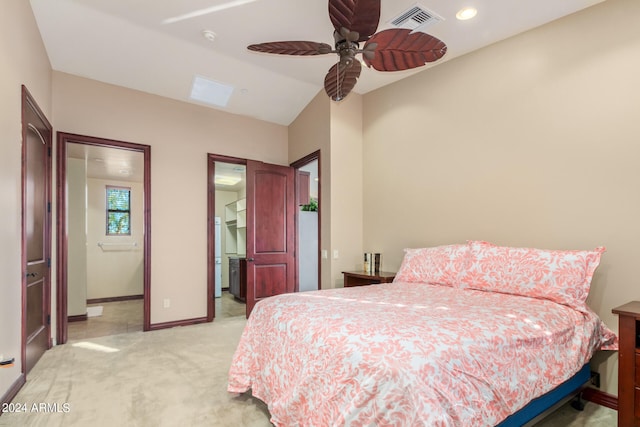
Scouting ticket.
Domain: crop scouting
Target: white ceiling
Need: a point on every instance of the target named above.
(109, 163)
(126, 43)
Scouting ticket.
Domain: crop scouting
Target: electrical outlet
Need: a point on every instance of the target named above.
(335, 254)
(167, 303)
(325, 254)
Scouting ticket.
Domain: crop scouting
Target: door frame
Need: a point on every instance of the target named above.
(29, 103)
(315, 156)
(211, 238)
(62, 141)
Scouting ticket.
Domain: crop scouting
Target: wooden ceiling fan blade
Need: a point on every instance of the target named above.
(400, 49)
(361, 16)
(297, 48)
(340, 80)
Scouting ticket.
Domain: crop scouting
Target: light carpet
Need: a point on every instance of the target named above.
(172, 377)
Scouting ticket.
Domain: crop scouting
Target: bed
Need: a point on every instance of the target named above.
(440, 346)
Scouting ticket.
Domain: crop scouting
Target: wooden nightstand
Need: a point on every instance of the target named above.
(361, 278)
(629, 364)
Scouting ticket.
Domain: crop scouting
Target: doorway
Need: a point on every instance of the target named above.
(230, 249)
(308, 230)
(104, 228)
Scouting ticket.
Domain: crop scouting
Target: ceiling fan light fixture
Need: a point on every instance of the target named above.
(466, 13)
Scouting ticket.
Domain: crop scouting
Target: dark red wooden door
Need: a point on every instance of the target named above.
(270, 231)
(36, 229)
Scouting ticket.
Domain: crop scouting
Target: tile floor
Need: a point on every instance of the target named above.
(124, 317)
(118, 317)
(228, 306)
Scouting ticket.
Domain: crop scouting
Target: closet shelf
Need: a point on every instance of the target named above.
(236, 225)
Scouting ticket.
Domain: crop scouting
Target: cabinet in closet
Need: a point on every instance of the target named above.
(238, 277)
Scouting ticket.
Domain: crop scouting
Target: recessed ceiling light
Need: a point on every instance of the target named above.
(466, 13)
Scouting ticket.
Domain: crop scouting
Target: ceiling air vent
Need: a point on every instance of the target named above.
(416, 18)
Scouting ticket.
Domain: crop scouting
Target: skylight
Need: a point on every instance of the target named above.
(210, 91)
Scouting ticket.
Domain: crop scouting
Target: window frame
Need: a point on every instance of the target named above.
(109, 211)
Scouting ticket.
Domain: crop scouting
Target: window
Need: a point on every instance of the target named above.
(118, 211)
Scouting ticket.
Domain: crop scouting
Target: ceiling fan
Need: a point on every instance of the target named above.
(356, 21)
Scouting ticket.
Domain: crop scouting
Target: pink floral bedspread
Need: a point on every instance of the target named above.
(408, 354)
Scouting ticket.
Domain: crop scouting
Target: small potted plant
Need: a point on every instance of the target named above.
(311, 207)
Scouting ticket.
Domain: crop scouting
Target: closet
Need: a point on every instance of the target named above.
(236, 246)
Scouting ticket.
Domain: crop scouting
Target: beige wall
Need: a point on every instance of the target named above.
(76, 237)
(346, 186)
(180, 136)
(532, 141)
(116, 268)
(23, 60)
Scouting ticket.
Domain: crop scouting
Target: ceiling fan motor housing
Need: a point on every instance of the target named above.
(347, 51)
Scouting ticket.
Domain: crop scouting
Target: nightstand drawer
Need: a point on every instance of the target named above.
(637, 382)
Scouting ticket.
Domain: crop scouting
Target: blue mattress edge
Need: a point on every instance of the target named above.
(546, 401)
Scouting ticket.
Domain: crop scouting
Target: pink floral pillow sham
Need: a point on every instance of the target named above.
(440, 265)
(560, 276)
